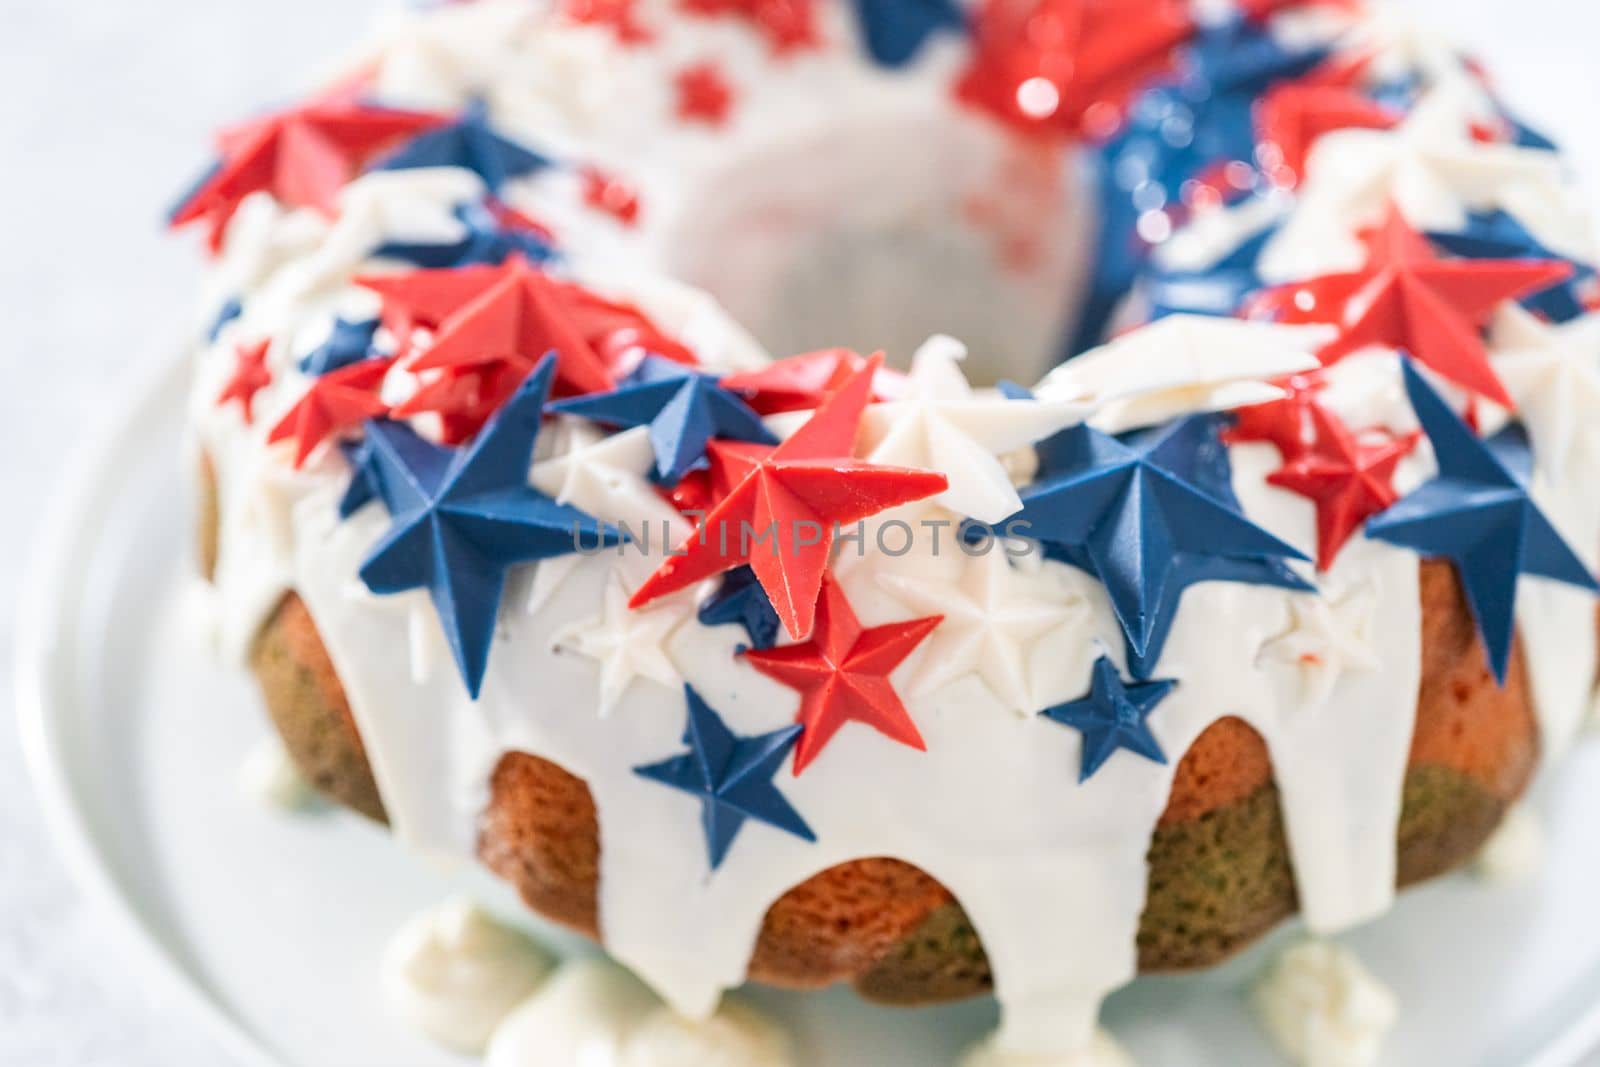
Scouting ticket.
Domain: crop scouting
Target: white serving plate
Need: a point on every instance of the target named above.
(267, 928)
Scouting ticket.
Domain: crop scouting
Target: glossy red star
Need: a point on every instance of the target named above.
(1262, 9)
(1285, 422)
(303, 156)
(620, 16)
(1065, 67)
(1292, 117)
(486, 317)
(842, 674)
(609, 194)
(1349, 477)
(786, 24)
(250, 376)
(621, 333)
(792, 497)
(1407, 297)
(463, 400)
(803, 382)
(335, 402)
(704, 94)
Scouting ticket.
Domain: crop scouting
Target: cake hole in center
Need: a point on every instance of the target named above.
(877, 234)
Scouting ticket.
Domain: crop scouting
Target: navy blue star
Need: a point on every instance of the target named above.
(1112, 716)
(231, 309)
(463, 518)
(1525, 136)
(1477, 513)
(488, 238)
(731, 775)
(1149, 515)
(1498, 235)
(469, 142)
(347, 343)
(683, 408)
(363, 487)
(894, 30)
(1217, 290)
(741, 600)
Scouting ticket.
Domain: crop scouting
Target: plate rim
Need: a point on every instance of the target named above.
(41, 643)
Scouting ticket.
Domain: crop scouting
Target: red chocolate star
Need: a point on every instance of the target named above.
(303, 156)
(610, 194)
(792, 495)
(619, 15)
(842, 674)
(1292, 117)
(463, 400)
(1065, 67)
(800, 383)
(1350, 478)
(250, 376)
(335, 402)
(1263, 9)
(485, 317)
(1285, 422)
(1407, 297)
(786, 24)
(704, 95)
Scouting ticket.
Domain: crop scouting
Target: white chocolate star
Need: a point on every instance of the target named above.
(1403, 46)
(1327, 638)
(413, 206)
(943, 424)
(445, 57)
(1184, 364)
(1553, 373)
(1429, 165)
(605, 476)
(627, 644)
(993, 617)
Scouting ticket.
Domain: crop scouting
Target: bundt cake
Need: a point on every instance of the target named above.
(832, 668)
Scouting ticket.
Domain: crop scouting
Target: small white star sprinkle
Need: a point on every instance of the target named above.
(1327, 638)
(627, 644)
(993, 616)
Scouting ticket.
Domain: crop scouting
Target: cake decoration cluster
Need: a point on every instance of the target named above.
(1329, 318)
(1189, 117)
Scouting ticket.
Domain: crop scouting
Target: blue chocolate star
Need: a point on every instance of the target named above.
(1112, 716)
(463, 518)
(1477, 513)
(731, 775)
(1498, 235)
(1215, 290)
(895, 30)
(231, 309)
(347, 343)
(486, 239)
(683, 408)
(740, 599)
(1149, 514)
(363, 487)
(469, 142)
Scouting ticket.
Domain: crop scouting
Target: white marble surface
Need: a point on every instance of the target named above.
(104, 107)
